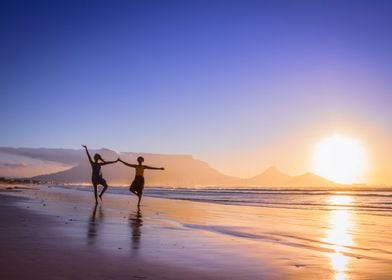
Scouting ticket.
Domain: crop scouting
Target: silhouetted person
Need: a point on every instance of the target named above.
(137, 185)
(96, 177)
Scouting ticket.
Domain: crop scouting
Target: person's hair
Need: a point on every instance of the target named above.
(97, 157)
(140, 159)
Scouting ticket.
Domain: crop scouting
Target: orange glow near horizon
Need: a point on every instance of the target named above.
(340, 159)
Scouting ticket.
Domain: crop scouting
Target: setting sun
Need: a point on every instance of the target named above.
(340, 158)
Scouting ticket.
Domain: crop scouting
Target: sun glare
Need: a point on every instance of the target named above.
(340, 200)
(340, 158)
(338, 236)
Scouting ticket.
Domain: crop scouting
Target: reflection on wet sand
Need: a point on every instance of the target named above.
(136, 222)
(93, 223)
(338, 234)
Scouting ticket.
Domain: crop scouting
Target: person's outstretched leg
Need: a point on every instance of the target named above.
(105, 187)
(96, 193)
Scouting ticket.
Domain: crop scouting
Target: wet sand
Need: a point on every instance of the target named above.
(54, 233)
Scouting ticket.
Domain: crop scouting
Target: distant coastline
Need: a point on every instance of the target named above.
(181, 170)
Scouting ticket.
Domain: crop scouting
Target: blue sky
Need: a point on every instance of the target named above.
(226, 81)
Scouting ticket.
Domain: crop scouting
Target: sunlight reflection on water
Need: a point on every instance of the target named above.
(338, 234)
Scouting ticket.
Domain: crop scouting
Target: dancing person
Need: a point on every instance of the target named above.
(137, 185)
(96, 177)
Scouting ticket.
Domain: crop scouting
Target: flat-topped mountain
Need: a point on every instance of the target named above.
(180, 170)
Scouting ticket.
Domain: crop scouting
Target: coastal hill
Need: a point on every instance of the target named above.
(272, 177)
(180, 170)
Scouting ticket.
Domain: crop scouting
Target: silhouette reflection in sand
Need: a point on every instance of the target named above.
(136, 222)
(93, 224)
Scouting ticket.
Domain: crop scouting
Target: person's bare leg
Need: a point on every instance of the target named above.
(96, 193)
(105, 187)
(140, 198)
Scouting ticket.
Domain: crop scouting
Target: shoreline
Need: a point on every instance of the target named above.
(173, 239)
(33, 241)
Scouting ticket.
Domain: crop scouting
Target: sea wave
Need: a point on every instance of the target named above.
(372, 200)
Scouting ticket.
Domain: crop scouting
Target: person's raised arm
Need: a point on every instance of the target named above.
(154, 168)
(126, 163)
(88, 154)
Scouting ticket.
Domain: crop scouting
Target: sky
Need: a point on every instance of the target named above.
(243, 85)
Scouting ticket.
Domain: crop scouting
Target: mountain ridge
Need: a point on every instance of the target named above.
(180, 170)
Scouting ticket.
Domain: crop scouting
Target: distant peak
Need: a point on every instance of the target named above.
(272, 169)
(310, 174)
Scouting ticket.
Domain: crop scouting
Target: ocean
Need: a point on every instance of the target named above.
(373, 200)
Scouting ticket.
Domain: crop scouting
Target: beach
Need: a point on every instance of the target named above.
(49, 232)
